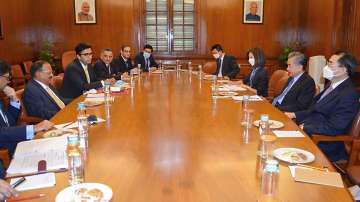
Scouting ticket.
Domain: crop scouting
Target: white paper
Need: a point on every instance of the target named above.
(115, 88)
(283, 133)
(251, 98)
(94, 99)
(36, 182)
(355, 191)
(234, 88)
(292, 169)
(75, 124)
(97, 95)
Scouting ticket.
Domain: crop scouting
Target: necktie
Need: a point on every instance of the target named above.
(252, 77)
(148, 64)
(280, 98)
(4, 118)
(109, 69)
(55, 98)
(327, 91)
(87, 74)
(220, 68)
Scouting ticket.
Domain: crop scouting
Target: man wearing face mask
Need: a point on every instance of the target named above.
(333, 110)
(299, 91)
(146, 60)
(226, 65)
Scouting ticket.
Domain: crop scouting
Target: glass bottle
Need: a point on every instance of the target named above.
(75, 163)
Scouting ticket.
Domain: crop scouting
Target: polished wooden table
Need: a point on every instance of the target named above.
(169, 141)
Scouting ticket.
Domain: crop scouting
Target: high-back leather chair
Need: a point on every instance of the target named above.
(24, 118)
(209, 67)
(57, 81)
(18, 78)
(277, 82)
(66, 58)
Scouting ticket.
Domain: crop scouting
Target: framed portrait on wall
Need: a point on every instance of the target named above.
(1, 30)
(253, 11)
(85, 11)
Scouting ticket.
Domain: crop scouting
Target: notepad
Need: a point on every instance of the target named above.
(36, 182)
(283, 133)
(318, 177)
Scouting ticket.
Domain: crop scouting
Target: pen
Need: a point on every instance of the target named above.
(18, 182)
(313, 167)
(23, 198)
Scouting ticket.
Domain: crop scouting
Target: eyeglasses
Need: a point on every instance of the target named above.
(86, 54)
(7, 77)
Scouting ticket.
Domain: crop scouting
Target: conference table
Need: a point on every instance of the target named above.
(168, 140)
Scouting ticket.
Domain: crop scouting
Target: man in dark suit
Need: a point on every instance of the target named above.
(334, 109)
(226, 65)
(299, 91)
(123, 62)
(40, 98)
(104, 67)
(145, 59)
(79, 75)
(10, 134)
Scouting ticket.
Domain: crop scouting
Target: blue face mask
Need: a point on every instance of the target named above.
(146, 55)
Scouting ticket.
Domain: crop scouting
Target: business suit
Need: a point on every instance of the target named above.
(139, 59)
(122, 65)
(300, 95)
(260, 81)
(38, 102)
(75, 82)
(229, 67)
(332, 115)
(11, 134)
(102, 71)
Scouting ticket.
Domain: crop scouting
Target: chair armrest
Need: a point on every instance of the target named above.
(327, 138)
(4, 156)
(354, 152)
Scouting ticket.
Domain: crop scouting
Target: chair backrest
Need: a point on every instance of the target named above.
(277, 82)
(355, 128)
(18, 80)
(16, 71)
(209, 67)
(57, 81)
(27, 66)
(19, 94)
(66, 58)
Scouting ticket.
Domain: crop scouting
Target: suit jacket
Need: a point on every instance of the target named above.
(139, 59)
(260, 81)
(75, 82)
(102, 72)
(39, 103)
(12, 133)
(333, 114)
(229, 67)
(300, 96)
(123, 66)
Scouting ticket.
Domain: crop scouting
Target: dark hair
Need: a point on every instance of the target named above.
(149, 47)
(125, 46)
(216, 47)
(348, 61)
(4, 67)
(259, 56)
(299, 58)
(36, 67)
(80, 47)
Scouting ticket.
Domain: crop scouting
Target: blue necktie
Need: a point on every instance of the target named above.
(280, 98)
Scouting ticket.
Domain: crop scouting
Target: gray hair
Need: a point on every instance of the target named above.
(299, 58)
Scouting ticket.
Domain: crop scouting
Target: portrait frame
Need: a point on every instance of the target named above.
(248, 16)
(86, 16)
(1, 30)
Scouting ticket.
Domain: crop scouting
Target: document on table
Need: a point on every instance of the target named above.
(283, 133)
(36, 182)
(29, 153)
(251, 98)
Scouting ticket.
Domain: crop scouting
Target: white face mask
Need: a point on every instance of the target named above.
(216, 56)
(146, 55)
(252, 61)
(328, 73)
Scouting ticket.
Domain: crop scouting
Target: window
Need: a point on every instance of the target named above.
(170, 25)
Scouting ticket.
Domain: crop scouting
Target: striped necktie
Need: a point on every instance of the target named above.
(55, 98)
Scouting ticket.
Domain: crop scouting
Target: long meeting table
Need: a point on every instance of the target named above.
(167, 140)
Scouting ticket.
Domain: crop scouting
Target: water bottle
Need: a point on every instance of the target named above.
(83, 126)
(132, 82)
(75, 163)
(107, 93)
(161, 66)
(267, 139)
(200, 72)
(264, 128)
(270, 179)
(245, 102)
(214, 86)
